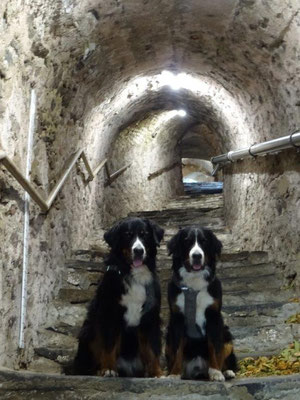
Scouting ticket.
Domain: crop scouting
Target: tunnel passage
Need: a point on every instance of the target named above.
(190, 118)
(96, 67)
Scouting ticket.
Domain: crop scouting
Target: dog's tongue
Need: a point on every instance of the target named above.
(197, 267)
(137, 263)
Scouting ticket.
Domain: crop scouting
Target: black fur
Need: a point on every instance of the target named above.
(214, 334)
(106, 336)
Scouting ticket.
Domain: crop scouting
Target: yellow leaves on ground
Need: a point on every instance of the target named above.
(294, 300)
(293, 319)
(286, 363)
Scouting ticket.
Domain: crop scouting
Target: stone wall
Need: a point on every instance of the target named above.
(25, 39)
(262, 202)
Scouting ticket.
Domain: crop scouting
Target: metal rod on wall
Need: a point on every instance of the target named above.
(26, 220)
(260, 149)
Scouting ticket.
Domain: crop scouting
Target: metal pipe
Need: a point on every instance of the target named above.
(26, 231)
(270, 146)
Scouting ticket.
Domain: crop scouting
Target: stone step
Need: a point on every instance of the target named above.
(238, 270)
(99, 249)
(34, 386)
(182, 203)
(72, 315)
(81, 279)
(44, 365)
(247, 340)
(61, 355)
(257, 308)
(257, 328)
(61, 312)
(258, 315)
(230, 257)
(77, 296)
(254, 306)
(212, 219)
(273, 309)
(217, 225)
(176, 213)
(91, 266)
(247, 298)
(235, 291)
(253, 276)
(164, 272)
(261, 316)
(52, 339)
(264, 339)
(269, 332)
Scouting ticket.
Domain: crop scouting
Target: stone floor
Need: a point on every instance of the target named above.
(32, 386)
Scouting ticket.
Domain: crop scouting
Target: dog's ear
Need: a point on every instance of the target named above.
(157, 232)
(174, 244)
(112, 235)
(216, 245)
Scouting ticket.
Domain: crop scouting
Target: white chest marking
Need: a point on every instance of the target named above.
(135, 295)
(196, 281)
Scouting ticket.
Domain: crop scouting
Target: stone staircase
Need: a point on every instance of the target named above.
(255, 303)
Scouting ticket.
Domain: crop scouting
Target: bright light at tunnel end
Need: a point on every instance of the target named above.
(176, 113)
(175, 82)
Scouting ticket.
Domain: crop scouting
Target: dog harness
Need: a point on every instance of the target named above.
(190, 308)
(150, 298)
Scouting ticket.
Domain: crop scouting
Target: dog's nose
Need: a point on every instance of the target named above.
(138, 251)
(197, 257)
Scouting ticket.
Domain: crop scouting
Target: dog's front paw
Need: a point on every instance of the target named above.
(174, 376)
(229, 374)
(215, 375)
(109, 373)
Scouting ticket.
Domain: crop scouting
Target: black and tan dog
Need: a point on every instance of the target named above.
(198, 344)
(121, 335)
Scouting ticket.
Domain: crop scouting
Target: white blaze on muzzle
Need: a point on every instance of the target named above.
(138, 253)
(196, 250)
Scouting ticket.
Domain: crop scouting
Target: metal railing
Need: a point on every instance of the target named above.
(45, 204)
(260, 149)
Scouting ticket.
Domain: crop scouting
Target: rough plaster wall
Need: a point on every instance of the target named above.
(263, 207)
(149, 145)
(22, 66)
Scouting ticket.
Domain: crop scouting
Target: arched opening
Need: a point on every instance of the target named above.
(109, 76)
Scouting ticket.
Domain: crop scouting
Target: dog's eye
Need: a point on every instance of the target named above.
(128, 234)
(143, 233)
